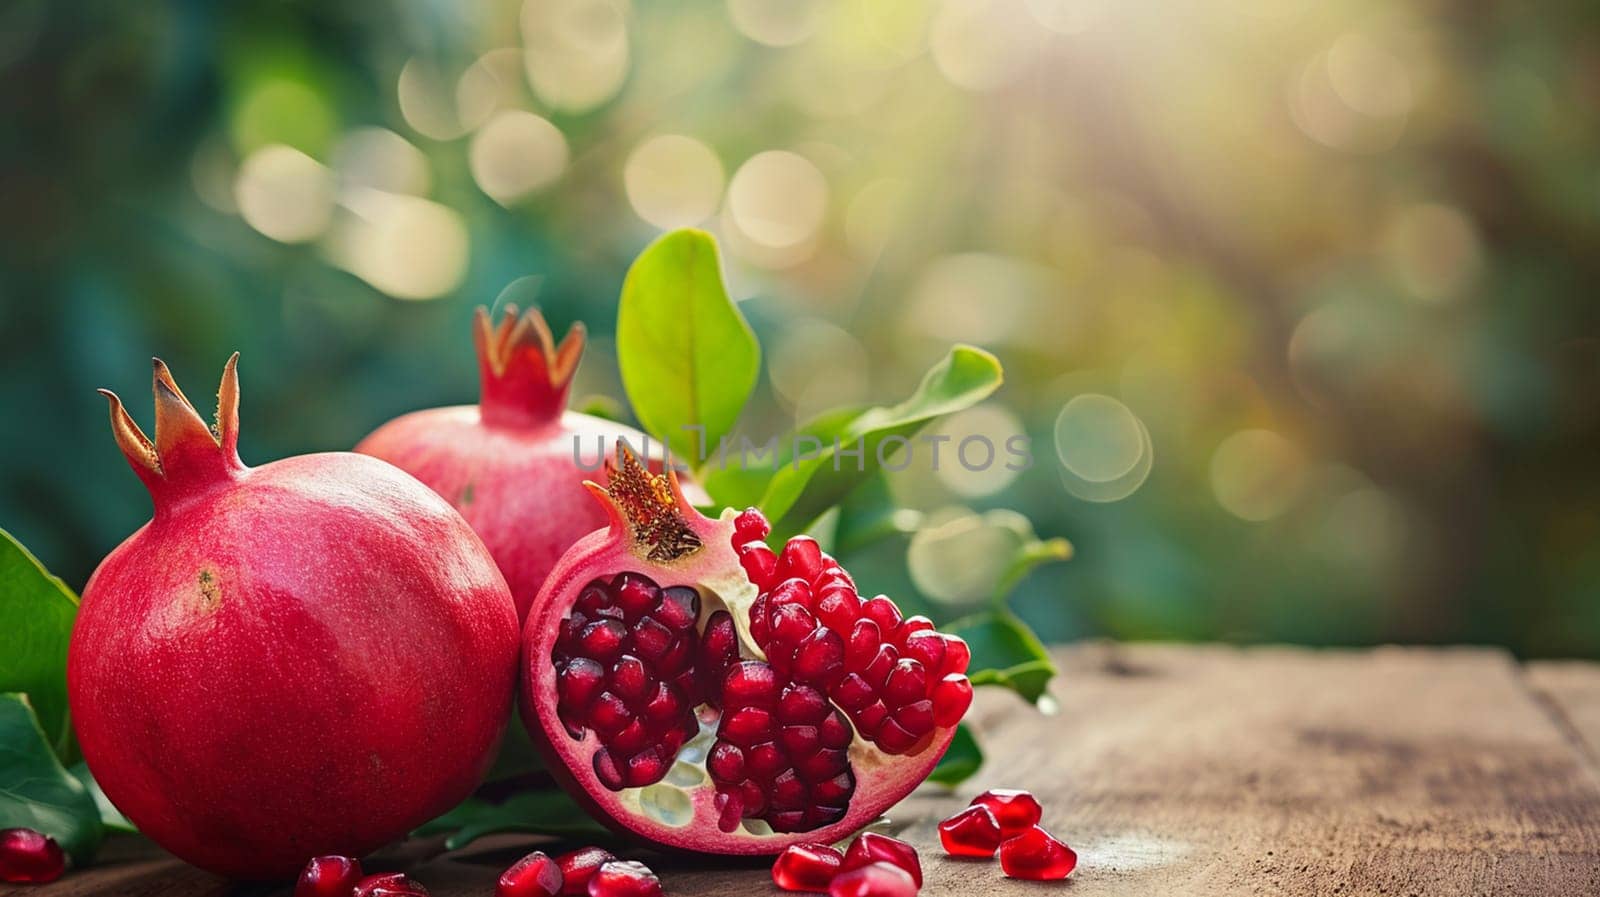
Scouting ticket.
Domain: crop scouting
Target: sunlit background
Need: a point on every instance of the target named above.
(1298, 301)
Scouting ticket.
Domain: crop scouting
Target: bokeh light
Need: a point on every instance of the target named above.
(516, 154)
(673, 181)
(491, 84)
(1105, 450)
(983, 44)
(381, 160)
(405, 246)
(426, 101)
(285, 194)
(776, 23)
(1257, 475)
(805, 347)
(1434, 250)
(575, 51)
(776, 203)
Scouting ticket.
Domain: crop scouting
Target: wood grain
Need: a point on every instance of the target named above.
(1209, 771)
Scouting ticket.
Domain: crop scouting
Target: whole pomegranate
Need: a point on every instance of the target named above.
(512, 464)
(700, 692)
(309, 657)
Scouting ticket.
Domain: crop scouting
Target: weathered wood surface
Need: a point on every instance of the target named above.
(1214, 770)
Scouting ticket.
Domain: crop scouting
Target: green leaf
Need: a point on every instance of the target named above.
(36, 792)
(536, 812)
(688, 357)
(869, 515)
(1030, 555)
(110, 816)
(36, 614)
(811, 483)
(1005, 652)
(601, 406)
(959, 762)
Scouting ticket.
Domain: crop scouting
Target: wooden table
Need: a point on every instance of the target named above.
(1215, 770)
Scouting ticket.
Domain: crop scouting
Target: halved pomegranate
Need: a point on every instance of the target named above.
(699, 692)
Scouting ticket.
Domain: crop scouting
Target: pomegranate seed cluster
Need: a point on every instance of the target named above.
(589, 871)
(898, 679)
(781, 753)
(1007, 820)
(874, 866)
(625, 669)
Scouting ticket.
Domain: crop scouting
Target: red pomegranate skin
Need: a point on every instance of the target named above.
(514, 464)
(309, 657)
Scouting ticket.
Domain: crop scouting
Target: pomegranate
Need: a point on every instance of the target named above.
(510, 464)
(1016, 811)
(1035, 854)
(310, 657)
(30, 857)
(330, 876)
(579, 866)
(873, 880)
(973, 832)
(535, 875)
(700, 692)
(806, 867)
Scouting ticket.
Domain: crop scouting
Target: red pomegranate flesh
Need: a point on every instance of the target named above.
(698, 691)
(311, 657)
(513, 464)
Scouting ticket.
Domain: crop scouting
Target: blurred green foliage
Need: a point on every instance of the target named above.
(1296, 301)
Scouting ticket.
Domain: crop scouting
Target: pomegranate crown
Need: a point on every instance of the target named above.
(187, 451)
(650, 507)
(524, 374)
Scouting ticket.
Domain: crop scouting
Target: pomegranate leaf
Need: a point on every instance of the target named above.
(110, 816)
(688, 357)
(869, 515)
(960, 761)
(811, 483)
(36, 792)
(537, 812)
(36, 616)
(1005, 652)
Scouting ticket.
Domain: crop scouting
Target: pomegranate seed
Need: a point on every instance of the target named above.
(759, 563)
(1036, 855)
(751, 524)
(579, 866)
(389, 884)
(806, 867)
(329, 876)
(952, 696)
(957, 655)
(973, 832)
(750, 683)
(880, 610)
(801, 557)
(1015, 810)
(535, 875)
(624, 878)
(873, 880)
(871, 847)
(30, 857)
